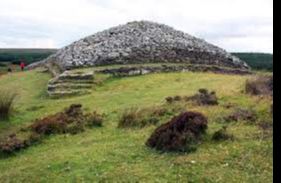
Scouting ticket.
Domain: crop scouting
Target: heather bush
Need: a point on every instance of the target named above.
(204, 97)
(71, 120)
(169, 99)
(241, 114)
(12, 144)
(51, 125)
(181, 133)
(260, 85)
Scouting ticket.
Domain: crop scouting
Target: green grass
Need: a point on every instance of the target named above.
(111, 154)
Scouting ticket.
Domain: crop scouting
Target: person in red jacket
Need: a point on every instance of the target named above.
(22, 65)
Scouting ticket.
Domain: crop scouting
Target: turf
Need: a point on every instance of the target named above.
(111, 154)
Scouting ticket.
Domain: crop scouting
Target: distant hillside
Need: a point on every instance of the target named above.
(28, 55)
(258, 61)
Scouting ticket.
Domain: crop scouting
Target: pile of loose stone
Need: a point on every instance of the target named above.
(139, 43)
(135, 43)
(124, 71)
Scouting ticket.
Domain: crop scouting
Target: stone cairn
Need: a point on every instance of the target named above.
(141, 42)
(135, 43)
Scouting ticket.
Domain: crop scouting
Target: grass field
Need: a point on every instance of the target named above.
(110, 154)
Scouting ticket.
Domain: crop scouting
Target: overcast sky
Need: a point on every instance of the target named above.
(235, 25)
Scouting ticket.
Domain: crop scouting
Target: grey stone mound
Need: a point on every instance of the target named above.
(71, 83)
(139, 43)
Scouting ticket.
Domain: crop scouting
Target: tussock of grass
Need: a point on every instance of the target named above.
(203, 98)
(136, 117)
(7, 99)
(222, 135)
(141, 117)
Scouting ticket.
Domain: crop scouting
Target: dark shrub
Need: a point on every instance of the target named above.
(222, 134)
(182, 133)
(94, 119)
(59, 123)
(12, 144)
(34, 138)
(203, 91)
(242, 115)
(169, 100)
(260, 85)
(75, 128)
(51, 124)
(177, 98)
(71, 120)
(75, 110)
(7, 99)
(204, 97)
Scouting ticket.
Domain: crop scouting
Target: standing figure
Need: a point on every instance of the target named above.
(22, 65)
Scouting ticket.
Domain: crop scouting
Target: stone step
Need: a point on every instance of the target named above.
(76, 76)
(63, 93)
(73, 81)
(69, 86)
